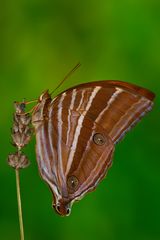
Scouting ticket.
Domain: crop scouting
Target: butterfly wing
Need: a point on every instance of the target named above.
(117, 105)
(70, 158)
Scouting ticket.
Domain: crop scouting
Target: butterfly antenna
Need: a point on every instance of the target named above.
(67, 76)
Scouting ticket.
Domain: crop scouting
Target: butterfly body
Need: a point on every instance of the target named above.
(76, 133)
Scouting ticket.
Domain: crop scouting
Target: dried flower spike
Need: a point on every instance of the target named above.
(21, 135)
(21, 131)
(18, 160)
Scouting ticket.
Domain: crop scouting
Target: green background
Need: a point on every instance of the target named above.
(40, 41)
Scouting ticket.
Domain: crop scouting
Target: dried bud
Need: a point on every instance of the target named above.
(28, 131)
(18, 160)
(20, 107)
(15, 127)
(16, 118)
(25, 139)
(21, 127)
(25, 119)
(20, 139)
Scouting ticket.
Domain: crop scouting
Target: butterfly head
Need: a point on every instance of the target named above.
(62, 208)
(44, 96)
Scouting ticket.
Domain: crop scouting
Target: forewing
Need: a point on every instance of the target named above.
(115, 105)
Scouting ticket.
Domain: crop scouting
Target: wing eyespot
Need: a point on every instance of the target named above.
(99, 139)
(72, 183)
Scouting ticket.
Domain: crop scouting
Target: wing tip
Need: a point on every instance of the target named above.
(135, 88)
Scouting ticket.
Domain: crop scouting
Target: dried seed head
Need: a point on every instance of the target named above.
(18, 160)
(21, 131)
(21, 135)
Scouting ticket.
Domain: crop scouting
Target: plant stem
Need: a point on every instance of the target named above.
(19, 205)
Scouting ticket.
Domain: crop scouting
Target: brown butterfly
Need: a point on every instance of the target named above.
(76, 133)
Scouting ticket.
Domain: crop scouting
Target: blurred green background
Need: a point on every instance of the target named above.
(41, 40)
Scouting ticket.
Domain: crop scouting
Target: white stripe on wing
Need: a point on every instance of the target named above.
(79, 127)
(109, 103)
(69, 113)
(60, 122)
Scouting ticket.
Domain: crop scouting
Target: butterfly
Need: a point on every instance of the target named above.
(76, 133)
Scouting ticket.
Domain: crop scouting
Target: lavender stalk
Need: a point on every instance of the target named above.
(21, 135)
